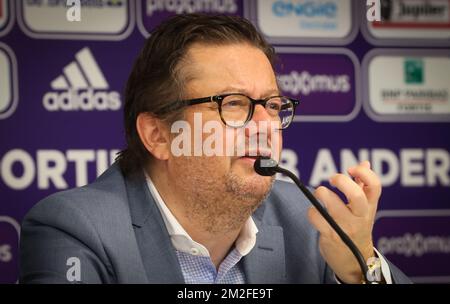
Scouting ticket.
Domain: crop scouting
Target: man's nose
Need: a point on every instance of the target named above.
(262, 120)
(260, 114)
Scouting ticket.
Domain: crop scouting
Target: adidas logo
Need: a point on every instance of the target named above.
(81, 87)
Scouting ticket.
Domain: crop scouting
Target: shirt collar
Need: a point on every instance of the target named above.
(183, 242)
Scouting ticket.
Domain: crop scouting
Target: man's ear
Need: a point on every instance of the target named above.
(154, 135)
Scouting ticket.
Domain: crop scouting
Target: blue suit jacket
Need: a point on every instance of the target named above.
(115, 229)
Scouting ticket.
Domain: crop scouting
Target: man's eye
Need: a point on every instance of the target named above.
(233, 103)
(274, 106)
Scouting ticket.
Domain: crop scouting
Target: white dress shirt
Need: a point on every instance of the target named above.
(244, 243)
(183, 242)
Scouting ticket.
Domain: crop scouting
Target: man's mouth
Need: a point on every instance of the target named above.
(251, 156)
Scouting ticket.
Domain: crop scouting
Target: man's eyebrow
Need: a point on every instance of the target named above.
(268, 93)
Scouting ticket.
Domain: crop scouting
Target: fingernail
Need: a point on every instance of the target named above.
(331, 181)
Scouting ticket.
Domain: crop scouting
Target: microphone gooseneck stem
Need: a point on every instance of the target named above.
(344, 237)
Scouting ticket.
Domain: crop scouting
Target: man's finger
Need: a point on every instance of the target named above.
(334, 205)
(371, 184)
(357, 200)
(319, 223)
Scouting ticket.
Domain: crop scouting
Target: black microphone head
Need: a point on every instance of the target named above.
(265, 166)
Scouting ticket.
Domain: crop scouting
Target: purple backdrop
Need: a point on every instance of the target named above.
(57, 135)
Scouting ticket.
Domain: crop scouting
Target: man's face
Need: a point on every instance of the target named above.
(221, 181)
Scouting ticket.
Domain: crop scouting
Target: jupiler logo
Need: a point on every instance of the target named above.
(81, 87)
(415, 10)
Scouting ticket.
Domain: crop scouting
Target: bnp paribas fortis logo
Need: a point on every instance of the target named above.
(414, 71)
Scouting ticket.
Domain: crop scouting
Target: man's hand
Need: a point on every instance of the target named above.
(356, 218)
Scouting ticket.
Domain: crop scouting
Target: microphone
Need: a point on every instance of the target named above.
(267, 167)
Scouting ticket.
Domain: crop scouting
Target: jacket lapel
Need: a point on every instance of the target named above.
(266, 262)
(157, 253)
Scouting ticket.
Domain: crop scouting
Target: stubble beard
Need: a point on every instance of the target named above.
(221, 203)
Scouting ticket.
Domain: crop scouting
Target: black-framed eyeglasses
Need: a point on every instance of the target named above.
(237, 109)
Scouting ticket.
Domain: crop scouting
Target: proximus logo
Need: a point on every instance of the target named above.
(189, 6)
(304, 83)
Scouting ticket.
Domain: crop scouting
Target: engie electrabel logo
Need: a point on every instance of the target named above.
(306, 18)
(81, 87)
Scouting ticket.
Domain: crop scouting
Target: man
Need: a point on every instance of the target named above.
(162, 214)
